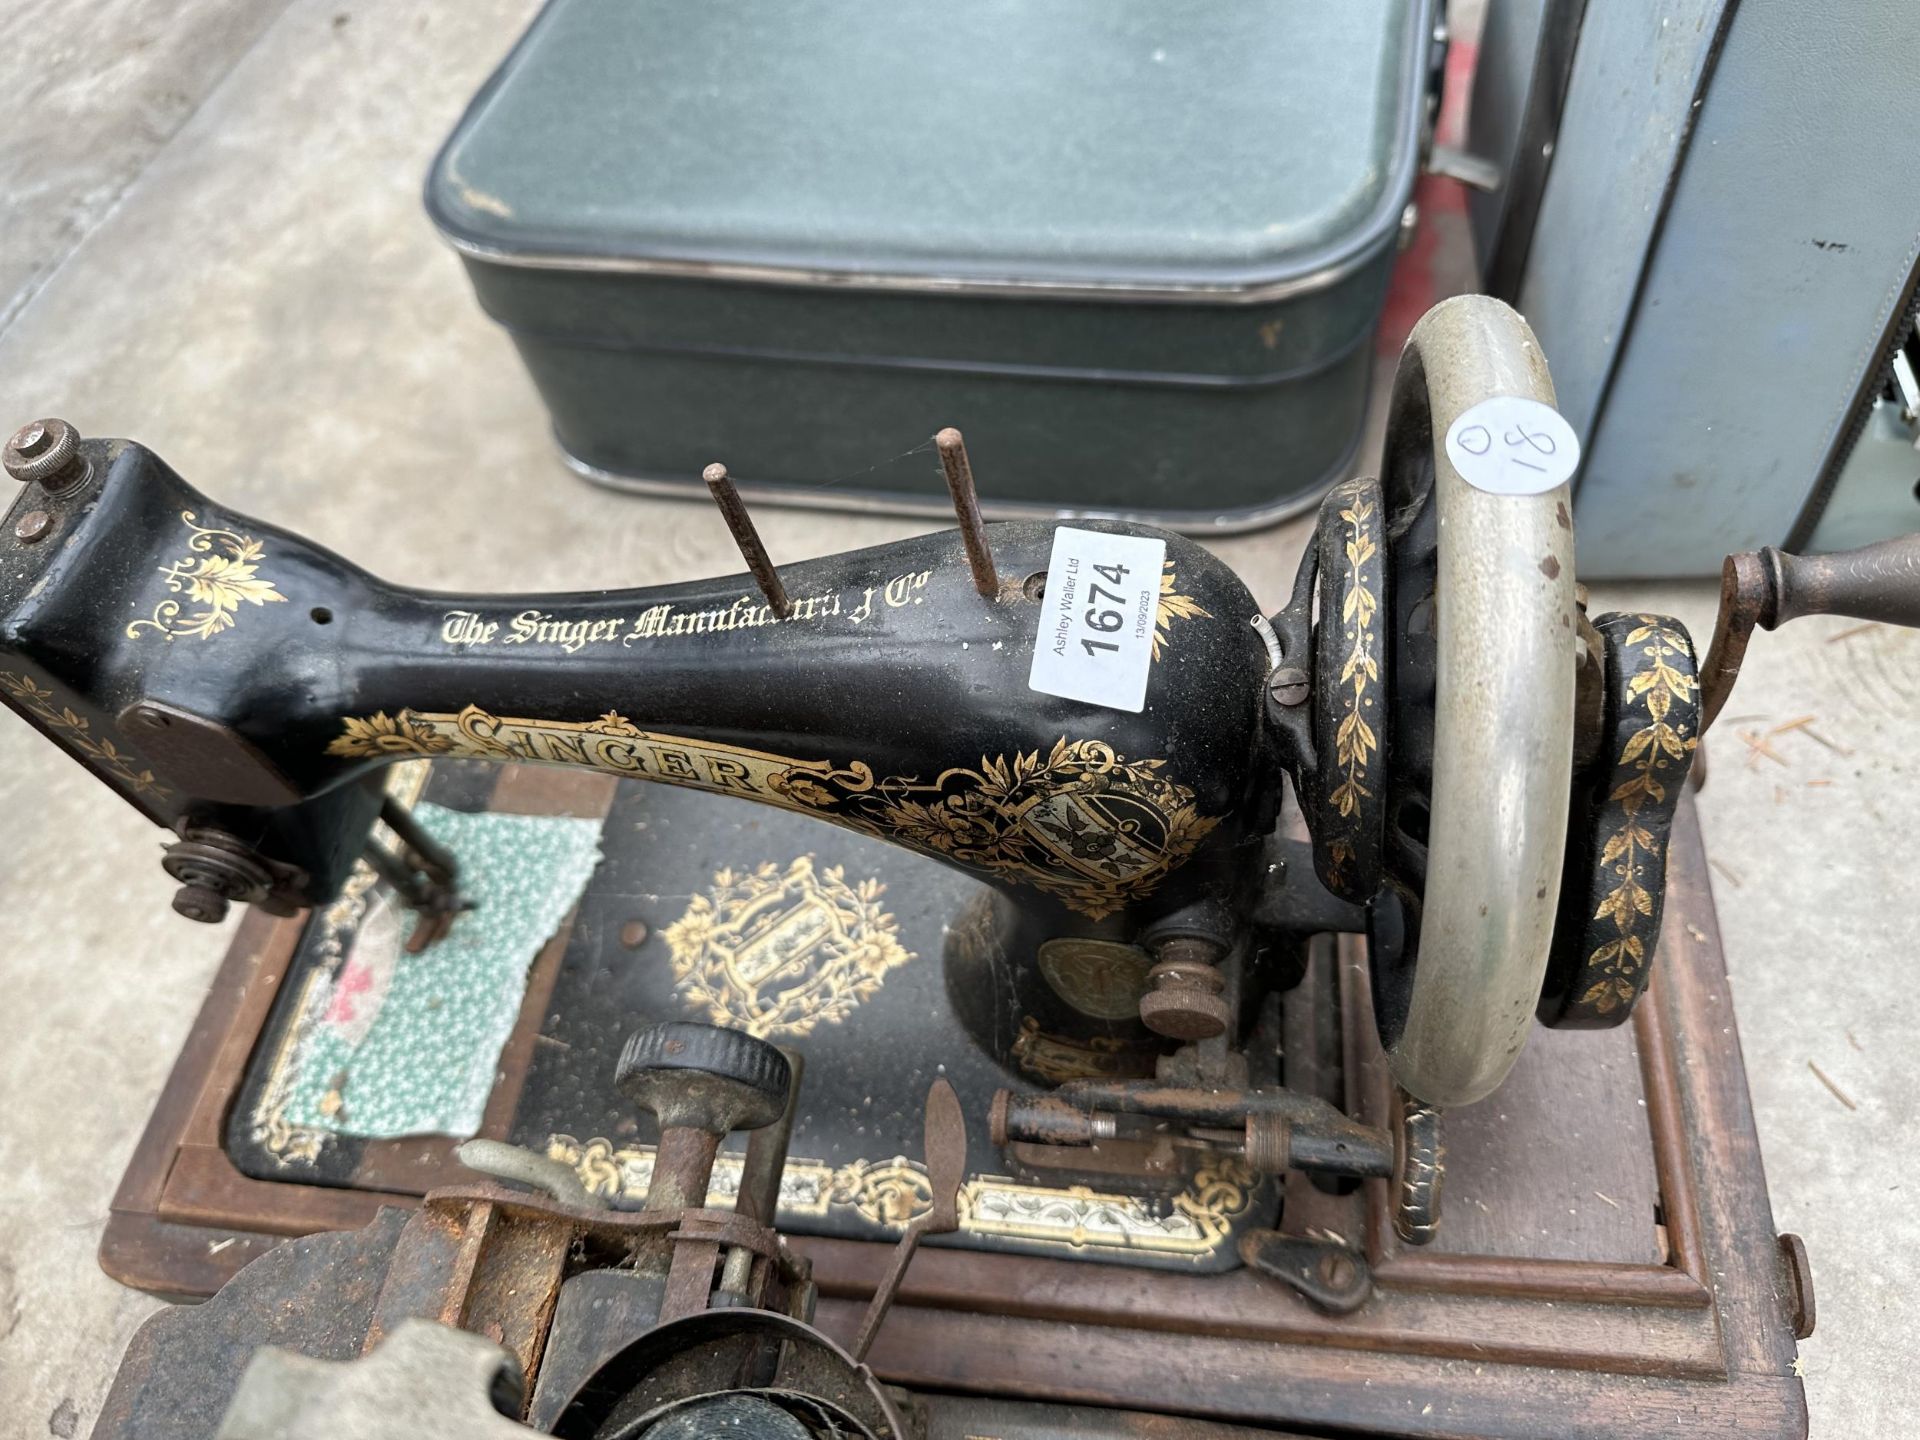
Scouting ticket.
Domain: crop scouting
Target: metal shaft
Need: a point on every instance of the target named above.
(682, 1166)
(734, 511)
(760, 1173)
(946, 1152)
(889, 1287)
(966, 508)
(430, 854)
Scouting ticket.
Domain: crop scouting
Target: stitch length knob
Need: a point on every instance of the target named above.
(700, 1082)
(704, 1077)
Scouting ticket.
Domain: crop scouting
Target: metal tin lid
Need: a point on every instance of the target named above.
(1221, 149)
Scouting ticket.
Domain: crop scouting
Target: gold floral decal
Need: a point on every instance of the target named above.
(383, 734)
(1660, 753)
(1173, 606)
(1354, 740)
(1077, 821)
(77, 732)
(777, 953)
(220, 574)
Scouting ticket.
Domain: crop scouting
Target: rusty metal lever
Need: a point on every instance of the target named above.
(946, 1152)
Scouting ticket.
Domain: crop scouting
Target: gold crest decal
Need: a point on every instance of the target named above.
(220, 573)
(777, 952)
(1077, 821)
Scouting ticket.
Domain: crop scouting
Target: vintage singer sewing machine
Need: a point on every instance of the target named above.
(1129, 999)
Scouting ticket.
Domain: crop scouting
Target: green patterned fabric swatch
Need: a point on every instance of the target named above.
(402, 1044)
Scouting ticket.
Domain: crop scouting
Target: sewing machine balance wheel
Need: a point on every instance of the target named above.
(1443, 724)
(1487, 771)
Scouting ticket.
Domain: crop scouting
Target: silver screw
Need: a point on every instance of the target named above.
(1289, 686)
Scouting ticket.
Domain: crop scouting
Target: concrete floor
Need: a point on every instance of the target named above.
(213, 242)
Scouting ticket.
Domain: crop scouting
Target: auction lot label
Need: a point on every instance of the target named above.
(1096, 618)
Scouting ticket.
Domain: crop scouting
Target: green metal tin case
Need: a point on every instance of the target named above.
(1136, 249)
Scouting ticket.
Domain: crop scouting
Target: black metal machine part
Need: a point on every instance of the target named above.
(240, 685)
(243, 687)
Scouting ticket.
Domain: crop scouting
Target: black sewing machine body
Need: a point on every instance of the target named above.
(1486, 777)
(1420, 694)
(224, 675)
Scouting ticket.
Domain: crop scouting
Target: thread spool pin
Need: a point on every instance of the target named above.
(734, 511)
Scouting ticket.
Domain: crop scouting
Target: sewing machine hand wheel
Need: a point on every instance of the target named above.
(1436, 780)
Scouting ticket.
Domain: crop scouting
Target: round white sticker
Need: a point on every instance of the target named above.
(1512, 446)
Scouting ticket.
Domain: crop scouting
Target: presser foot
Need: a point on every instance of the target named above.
(423, 873)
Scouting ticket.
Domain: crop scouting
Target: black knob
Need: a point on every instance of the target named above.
(703, 1077)
(200, 902)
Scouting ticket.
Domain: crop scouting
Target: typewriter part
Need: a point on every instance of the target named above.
(1096, 721)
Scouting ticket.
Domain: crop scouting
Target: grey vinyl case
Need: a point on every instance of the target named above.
(1135, 249)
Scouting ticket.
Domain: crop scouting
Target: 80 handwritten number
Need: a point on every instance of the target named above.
(1478, 440)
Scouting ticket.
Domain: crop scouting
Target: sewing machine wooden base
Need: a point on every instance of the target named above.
(1606, 1266)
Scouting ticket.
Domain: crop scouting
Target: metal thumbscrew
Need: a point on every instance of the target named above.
(202, 903)
(1185, 1002)
(47, 452)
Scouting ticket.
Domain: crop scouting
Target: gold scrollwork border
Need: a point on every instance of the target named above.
(888, 1194)
(1080, 822)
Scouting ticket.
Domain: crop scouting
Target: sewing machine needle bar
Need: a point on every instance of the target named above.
(720, 484)
(966, 507)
